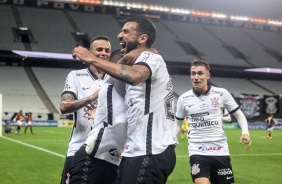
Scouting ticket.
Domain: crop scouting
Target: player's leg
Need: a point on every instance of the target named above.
(31, 131)
(182, 134)
(65, 172)
(200, 169)
(19, 127)
(221, 170)
(270, 134)
(30, 126)
(186, 134)
(25, 129)
(88, 169)
(147, 169)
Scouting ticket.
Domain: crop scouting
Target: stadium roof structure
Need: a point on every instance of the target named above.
(265, 9)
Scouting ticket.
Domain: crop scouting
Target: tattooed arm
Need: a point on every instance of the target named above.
(132, 75)
(69, 104)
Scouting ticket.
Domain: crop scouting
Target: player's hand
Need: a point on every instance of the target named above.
(90, 111)
(82, 54)
(246, 138)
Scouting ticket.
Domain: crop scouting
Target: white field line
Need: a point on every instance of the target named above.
(35, 147)
(179, 156)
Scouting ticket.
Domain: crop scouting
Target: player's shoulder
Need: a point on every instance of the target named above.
(187, 94)
(145, 55)
(80, 72)
(218, 90)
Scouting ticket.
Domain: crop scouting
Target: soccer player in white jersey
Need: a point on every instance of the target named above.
(148, 155)
(100, 155)
(78, 92)
(208, 149)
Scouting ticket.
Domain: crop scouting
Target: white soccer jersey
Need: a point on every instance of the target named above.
(108, 135)
(204, 114)
(80, 83)
(150, 110)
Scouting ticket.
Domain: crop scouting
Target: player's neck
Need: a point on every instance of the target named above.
(99, 73)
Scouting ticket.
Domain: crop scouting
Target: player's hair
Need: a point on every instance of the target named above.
(198, 62)
(115, 56)
(100, 37)
(145, 26)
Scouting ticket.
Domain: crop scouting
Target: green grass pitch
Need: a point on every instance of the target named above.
(39, 158)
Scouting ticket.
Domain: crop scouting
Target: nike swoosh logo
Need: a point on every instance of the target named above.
(228, 178)
(86, 88)
(191, 105)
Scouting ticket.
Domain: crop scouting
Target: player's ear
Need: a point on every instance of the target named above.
(209, 75)
(143, 38)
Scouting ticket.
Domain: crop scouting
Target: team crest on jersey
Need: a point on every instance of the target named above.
(215, 102)
(114, 152)
(195, 169)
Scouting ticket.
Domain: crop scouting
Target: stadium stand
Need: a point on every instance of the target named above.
(195, 37)
(18, 92)
(46, 26)
(6, 36)
(238, 86)
(236, 38)
(52, 81)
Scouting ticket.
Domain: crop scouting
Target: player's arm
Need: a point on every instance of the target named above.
(128, 73)
(226, 118)
(177, 126)
(69, 104)
(244, 126)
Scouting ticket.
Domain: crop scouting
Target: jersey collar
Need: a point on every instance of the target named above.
(197, 94)
(93, 75)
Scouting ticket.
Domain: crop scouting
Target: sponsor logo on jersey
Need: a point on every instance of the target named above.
(204, 148)
(188, 96)
(85, 88)
(68, 179)
(204, 124)
(195, 169)
(191, 105)
(222, 172)
(146, 56)
(200, 114)
(81, 74)
(215, 102)
(114, 152)
(130, 103)
(127, 146)
(67, 87)
(220, 92)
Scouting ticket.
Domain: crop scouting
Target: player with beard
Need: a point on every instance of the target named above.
(148, 155)
(208, 148)
(79, 91)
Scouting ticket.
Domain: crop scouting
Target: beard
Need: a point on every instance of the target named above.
(131, 46)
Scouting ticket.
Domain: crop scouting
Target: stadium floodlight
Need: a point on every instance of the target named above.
(34, 54)
(265, 70)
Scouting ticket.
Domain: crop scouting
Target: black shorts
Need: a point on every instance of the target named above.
(217, 168)
(66, 170)
(149, 169)
(87, 169)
